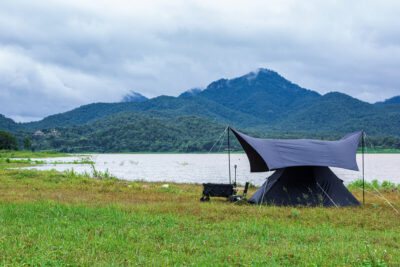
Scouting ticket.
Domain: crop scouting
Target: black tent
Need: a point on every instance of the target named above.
(302, 175)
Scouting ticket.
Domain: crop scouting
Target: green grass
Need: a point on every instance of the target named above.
(53, 218)
(52, 154)
(367, 151)
(379, 151)
(50, 233)
(24, 157)
(374, 184)
(29, 161)
(30, 154)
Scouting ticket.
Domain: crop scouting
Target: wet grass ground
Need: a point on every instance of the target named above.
(52, 218)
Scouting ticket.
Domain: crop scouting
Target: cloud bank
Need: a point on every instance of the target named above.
(56, 55)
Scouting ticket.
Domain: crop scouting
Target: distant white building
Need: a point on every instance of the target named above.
(53, 132)
(38, 133)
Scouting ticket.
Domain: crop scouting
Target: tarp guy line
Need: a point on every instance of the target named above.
(327, 195)
(222, 134)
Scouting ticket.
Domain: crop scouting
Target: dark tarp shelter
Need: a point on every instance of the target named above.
(302, 175)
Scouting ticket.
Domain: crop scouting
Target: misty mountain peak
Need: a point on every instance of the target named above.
(218, 84)
(191, 92)
(261, 71)
(133, 96)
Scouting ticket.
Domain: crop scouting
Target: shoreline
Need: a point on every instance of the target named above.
(53, 154)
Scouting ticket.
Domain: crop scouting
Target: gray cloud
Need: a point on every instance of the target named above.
(56, 55)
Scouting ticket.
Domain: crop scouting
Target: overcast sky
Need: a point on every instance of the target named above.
(59, 54)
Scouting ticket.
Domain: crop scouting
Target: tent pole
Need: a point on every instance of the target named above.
(229, 155)
(362, 149)
(235, 173)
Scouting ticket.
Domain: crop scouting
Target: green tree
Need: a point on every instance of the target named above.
(8, 141)
(27, 141)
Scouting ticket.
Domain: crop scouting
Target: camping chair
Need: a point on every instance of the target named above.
(237, 197)
(217, 190)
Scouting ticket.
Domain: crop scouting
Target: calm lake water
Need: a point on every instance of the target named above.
(203, 168)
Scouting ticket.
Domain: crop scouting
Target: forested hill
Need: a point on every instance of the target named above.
(8, 124)
(337, 112)
(162, 106)
(137, 132)
(129, 131)
(261, 102)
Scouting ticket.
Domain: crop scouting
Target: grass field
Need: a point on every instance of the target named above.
(380, 151)
(359, 151)
(52, 218)
(29, 154)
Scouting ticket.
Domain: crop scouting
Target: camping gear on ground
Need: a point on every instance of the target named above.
(230, 191)
(217, 190)
(242, 196)
(302, 175)
(235, 166)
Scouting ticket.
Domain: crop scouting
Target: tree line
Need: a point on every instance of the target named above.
(136, 132)
(9, 142)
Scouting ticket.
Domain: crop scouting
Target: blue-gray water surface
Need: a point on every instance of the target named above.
(213, 168)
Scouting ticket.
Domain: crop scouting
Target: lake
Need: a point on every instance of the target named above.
(213, 168)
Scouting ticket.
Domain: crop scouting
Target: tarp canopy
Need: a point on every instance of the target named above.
(272, 154)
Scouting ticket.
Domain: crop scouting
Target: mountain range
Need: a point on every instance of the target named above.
(393, 100)
(262, 102)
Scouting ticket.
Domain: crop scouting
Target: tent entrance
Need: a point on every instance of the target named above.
(304, 186)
